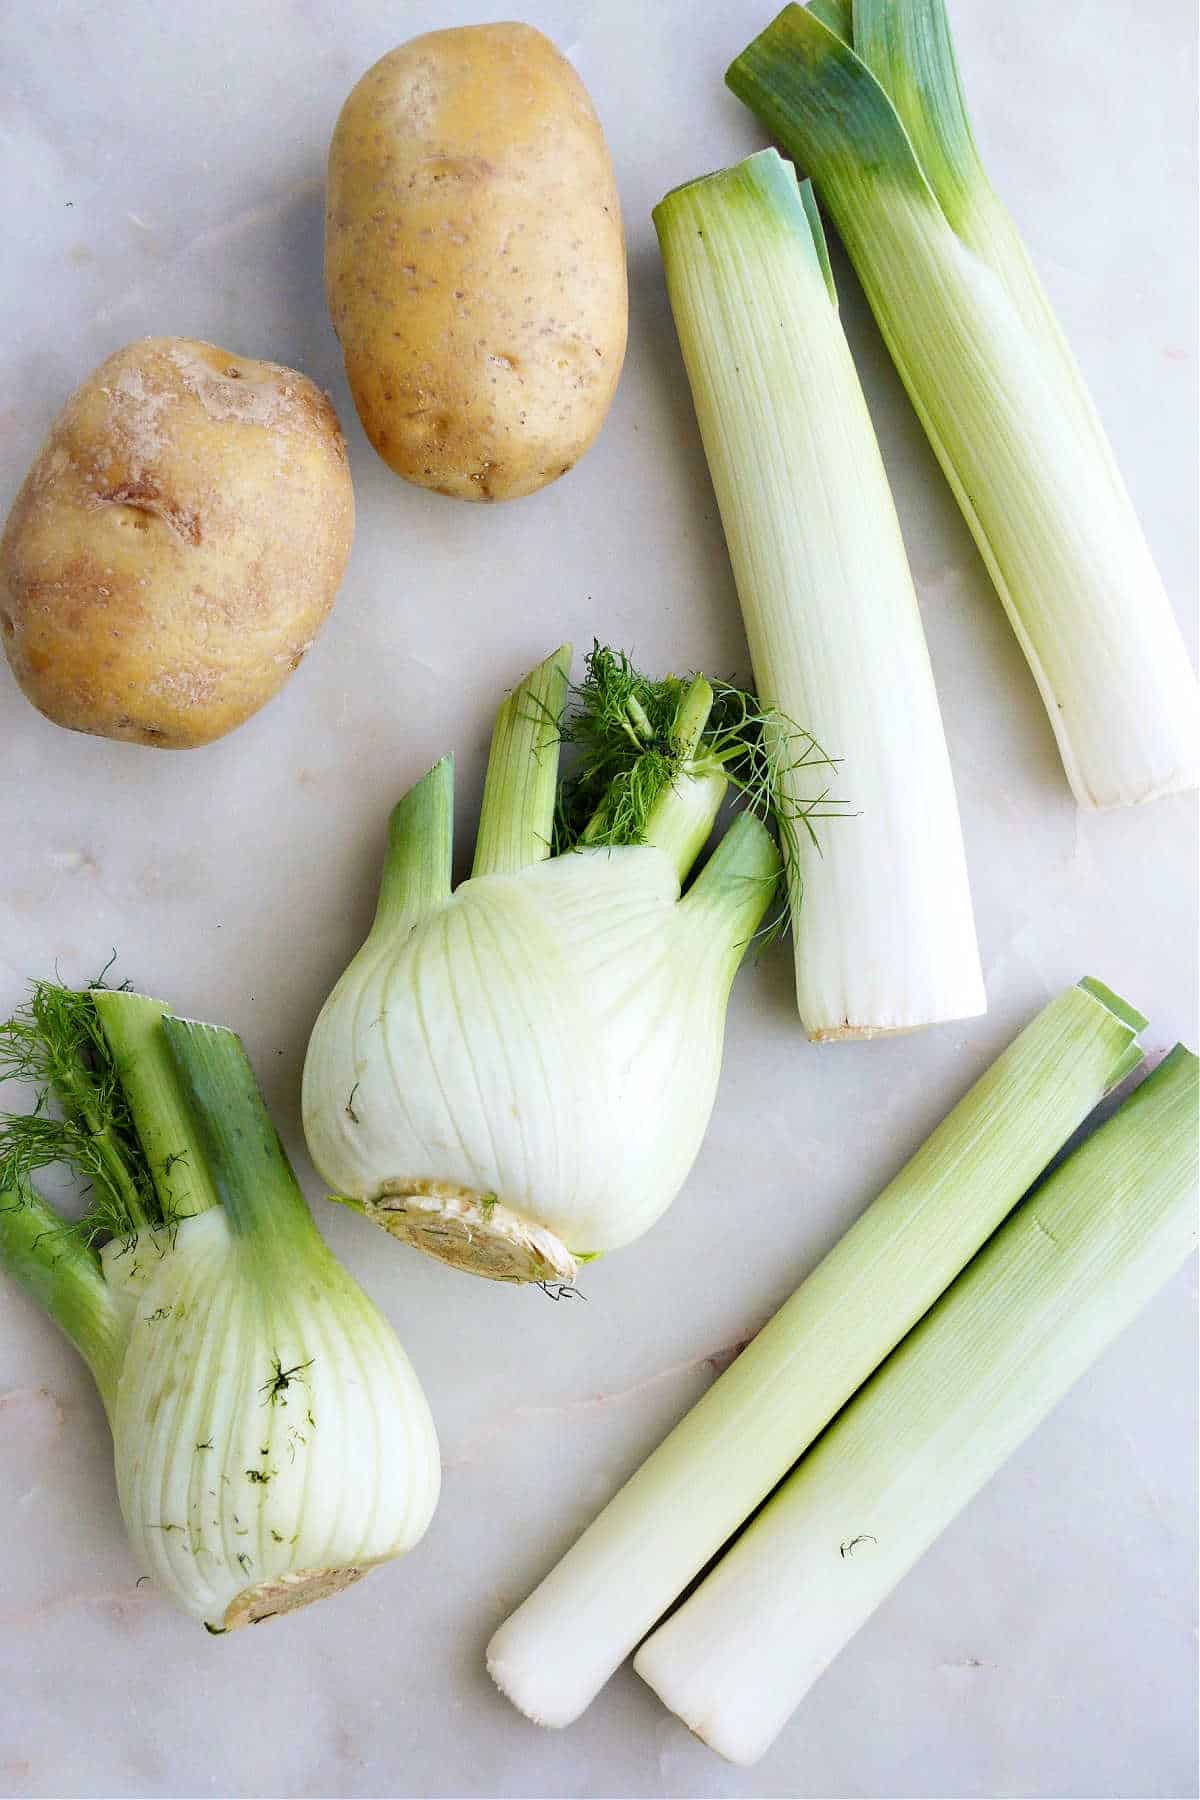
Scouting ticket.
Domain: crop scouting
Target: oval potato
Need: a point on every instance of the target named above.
(176, 545)
(475, 261)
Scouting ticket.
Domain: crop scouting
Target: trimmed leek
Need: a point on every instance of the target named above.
(888, 941)
(883, 131)
(1071, 1268)
(558, 1649)
(271, 1441)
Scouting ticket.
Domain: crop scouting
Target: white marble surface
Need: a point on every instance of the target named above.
(163, 173)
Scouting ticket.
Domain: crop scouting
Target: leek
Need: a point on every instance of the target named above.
(556, 1651)
(517, 1073)
(270, 1439)
(1058, 1282)
(876, 117)
(835, 636)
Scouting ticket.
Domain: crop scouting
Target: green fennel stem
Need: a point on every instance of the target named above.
(684, 815)
(640, 727)
(738, 882)
(420, 848)
(245, 1158)
(166, 1126)
(516, 816)
(691, 719)
(685, 812)
(62, 1274)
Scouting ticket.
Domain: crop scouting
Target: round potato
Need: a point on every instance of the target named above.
(475, 261)
(176, 544)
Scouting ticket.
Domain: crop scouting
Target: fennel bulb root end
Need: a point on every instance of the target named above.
(848, 1033)
(473, 1232)
(287, 1593)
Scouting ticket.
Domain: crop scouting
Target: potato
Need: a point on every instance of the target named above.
(176, 544)
(475, 261)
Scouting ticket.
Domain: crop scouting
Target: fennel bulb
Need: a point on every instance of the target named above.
(825, 590)
(518, 1073)
(866, 99)
(707, 1476)
(1056, 1284)
(270, 1439)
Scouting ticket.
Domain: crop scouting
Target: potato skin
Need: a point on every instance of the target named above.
(176, 545)
(475, 261)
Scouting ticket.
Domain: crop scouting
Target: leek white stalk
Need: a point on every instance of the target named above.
(556, 1651)
(867, 101)
(270, 1439)
(1058, 1282)
(519, 1072)
(835, 635)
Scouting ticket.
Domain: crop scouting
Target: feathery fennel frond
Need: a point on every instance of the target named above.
(626, 730)
(80, 1116)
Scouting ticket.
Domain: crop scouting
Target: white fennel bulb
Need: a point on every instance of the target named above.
(491, 1048)
(518, 1073)
(270, 1439)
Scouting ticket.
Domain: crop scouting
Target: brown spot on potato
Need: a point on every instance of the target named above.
(144, 497)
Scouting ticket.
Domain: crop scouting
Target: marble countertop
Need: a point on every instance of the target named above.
(164, 174)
